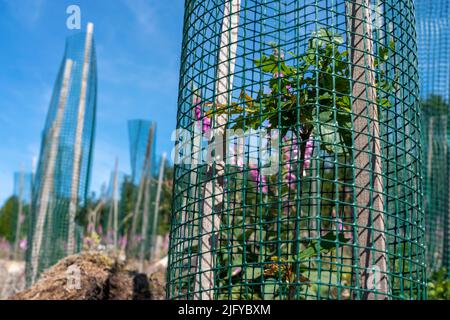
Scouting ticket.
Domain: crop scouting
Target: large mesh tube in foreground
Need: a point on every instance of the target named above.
(309, 110)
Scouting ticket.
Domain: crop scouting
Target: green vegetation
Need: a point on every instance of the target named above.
(439, 286)
(8, 220)
(309, 101)
(435, 104)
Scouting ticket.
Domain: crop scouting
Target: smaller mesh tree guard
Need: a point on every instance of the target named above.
(433, 39)
(298, 158)
(138, 135)
(434, 128)
(62, 178)
(147, 191)
(157, 208)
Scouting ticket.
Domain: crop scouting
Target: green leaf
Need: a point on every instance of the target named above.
(267, 64)
(383, 53)
(323, 245)
(385, 103)
(327, 279)
(325, 37)
(331, 139)
(253, 273)
(326, 96)
(392, 45)
(270, 290)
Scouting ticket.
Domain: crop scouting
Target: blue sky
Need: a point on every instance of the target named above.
(138, 52)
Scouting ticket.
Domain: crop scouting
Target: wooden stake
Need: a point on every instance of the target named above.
(49, 171)
(137, 206)
(372, 260)
(157, 201)
(213, 191)
(77, 152)
(147, 199)
(93, 215)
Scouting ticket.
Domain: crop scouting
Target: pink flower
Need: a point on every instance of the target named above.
(236, 272)
(88, 241)
(278, 75)
(343, 228)
(23, 244)
(265, 189)
(206, 125)
(290, 150)
(288, 87)
(206, 122)
(290, 179)
(339, 224)
(236, 156)
(197, 100)
(122, 241)
(309, 146)
(198, 111)
(260, 180)
(308, 153)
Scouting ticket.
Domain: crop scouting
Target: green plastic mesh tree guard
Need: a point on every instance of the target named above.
(436, 182)
(62, 180)
(298, 159)
(433, 40)
(142, 137)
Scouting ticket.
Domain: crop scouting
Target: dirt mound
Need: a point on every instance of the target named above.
(158, 285)
(88, 276)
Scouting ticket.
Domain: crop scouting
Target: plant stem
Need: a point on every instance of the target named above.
(295, 247)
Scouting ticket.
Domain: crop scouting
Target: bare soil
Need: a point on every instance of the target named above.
(100, 278)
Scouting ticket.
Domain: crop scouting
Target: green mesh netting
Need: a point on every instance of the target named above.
(61, 185)
(298, 159)
(145, 173)
(433, 39)
(436, 182)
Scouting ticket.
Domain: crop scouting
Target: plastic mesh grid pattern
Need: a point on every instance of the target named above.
(142, 138)
(341, 216)
(54, 244)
